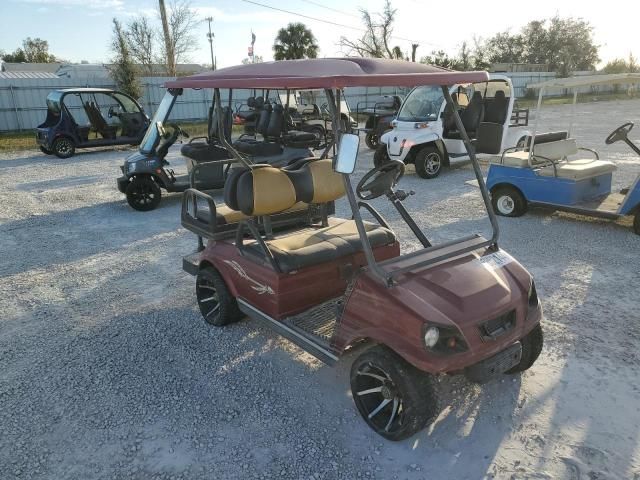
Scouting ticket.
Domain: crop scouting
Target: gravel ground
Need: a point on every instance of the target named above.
(107, 370)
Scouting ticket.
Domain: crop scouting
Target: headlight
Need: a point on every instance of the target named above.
(131, 167)
(431, 337)
(443, 340)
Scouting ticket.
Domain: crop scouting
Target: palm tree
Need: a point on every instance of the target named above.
(295, 41)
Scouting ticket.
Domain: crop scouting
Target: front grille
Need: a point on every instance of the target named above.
(494, 328)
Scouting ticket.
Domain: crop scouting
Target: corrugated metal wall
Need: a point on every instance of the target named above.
(23, 101)
(23, 107)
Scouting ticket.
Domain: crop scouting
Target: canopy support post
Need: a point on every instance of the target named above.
(474, 162)
(336, 123)
(217, 108)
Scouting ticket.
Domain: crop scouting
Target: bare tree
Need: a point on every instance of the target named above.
(377, 37)
(182, 24)
(142, 39)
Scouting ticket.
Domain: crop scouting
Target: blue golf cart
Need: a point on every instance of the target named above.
(553, 171)
(75, 119)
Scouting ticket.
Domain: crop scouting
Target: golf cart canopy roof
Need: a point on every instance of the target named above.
(588, 80)
(327, 73)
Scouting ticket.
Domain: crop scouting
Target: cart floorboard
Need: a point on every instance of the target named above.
(317, 323)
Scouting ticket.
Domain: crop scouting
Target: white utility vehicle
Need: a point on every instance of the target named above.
(424, 132)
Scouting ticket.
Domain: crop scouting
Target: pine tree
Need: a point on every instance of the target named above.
(123, 71)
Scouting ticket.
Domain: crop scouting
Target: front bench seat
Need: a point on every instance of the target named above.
(266, 190)
(314, 246)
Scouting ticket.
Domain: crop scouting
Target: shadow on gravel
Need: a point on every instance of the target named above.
(35, 158)
(67, 182)
(70, 235)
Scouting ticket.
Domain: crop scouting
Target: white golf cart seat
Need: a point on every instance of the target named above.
(578, 169)
(267, 190)
(551, 160)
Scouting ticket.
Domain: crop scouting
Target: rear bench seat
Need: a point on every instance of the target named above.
(551, 160)
(267, 190)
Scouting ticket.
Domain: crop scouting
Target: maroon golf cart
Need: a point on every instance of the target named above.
(275, 253)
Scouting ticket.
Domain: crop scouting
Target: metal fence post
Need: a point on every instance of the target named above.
(15, 106)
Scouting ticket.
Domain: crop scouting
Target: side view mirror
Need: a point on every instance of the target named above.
(347, 153)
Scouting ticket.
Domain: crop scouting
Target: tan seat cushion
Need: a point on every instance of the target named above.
(578, 169)
(226, 215)
(313, 246)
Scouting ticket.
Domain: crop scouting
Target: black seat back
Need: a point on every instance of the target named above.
(473, 114)
(496, 110)
(548, 137)
(276, 122)
(263, 120)
(227, 124)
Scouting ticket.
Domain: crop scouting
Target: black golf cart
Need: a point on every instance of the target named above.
(76, 119)
(379, 114)
(209, 158)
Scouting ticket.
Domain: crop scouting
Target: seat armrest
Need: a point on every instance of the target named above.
(198, 138)
(203, 225)
(590, 150)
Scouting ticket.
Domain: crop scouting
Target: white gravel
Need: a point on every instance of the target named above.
(107, 370)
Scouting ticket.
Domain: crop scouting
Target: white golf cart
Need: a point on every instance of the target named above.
(424, 132)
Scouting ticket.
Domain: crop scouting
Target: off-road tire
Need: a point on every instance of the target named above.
(63, 147)
(143, 193)
(531, 348)
(372, 140)
(46, 151)
(429, 162)
(217, 306)
(636, 222)
(416, 389)
(508, 202)
(381, 156)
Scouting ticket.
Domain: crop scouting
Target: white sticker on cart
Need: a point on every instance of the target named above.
(496, 260)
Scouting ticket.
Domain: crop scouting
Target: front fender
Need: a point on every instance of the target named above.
(400, 142)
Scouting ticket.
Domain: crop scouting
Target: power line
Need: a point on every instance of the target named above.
(351, 27)
(331, 8)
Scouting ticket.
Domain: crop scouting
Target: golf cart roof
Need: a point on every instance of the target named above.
(86, 90)
(327, 73)
(588, 80)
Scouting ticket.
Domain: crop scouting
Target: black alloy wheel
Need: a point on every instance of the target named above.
(394, 398)
(143, 193)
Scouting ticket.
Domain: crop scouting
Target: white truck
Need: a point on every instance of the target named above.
(424, 132)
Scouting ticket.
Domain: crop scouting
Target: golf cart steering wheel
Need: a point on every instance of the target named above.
(385, 176)
(619, 133)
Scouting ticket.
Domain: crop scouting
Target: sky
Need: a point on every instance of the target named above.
(81, 29)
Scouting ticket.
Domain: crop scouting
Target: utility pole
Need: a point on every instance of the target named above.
(414, 47)
(210, 36)
(168, 41)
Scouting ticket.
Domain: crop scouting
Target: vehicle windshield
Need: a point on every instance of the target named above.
(53, 102)
(422, 105)
(152, 137)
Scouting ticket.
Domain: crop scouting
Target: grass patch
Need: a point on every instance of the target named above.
(12, 141)
(26, 140)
